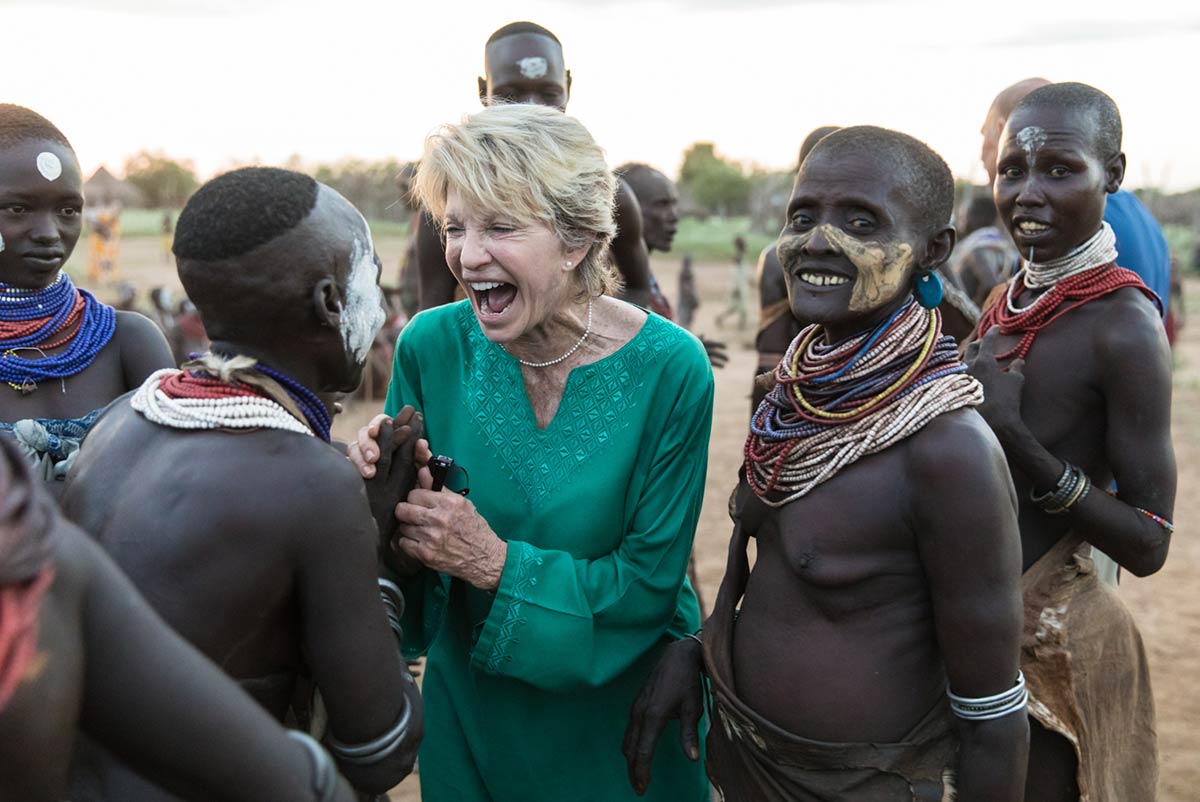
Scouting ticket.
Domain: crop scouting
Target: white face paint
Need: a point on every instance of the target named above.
(1, 242)
(1030, 139)
(532, 67)
(363, 316)
(49, 165)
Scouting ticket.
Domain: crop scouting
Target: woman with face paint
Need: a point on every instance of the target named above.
(65, 354)
(583, 422)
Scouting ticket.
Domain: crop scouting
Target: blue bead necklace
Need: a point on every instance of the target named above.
(96, 327)
(314, 410)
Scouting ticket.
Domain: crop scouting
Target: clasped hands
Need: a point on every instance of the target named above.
(439, 530)
(1001, 406)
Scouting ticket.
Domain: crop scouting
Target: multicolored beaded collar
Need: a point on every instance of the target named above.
(58, 316)
(214, 392)
(835, 403)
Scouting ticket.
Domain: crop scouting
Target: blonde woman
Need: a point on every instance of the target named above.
(582, 423)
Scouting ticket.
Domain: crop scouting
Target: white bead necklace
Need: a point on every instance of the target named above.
(586, 331)
(1098, 251)
(246, 412)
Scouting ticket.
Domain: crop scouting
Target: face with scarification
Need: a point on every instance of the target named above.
(849, 247)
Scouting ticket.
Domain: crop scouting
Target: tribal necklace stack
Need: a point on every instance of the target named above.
(833, 404)
(235, 393)
(42, 320)
(1083, 275)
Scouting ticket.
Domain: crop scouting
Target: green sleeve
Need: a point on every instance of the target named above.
(562, 623)
(425, 591)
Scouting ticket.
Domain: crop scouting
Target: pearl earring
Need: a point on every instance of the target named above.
(568, 263)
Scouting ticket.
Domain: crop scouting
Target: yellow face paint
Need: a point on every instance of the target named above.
(882, 266)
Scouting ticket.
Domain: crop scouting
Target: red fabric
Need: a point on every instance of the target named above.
(1064, 296)
(19, 605)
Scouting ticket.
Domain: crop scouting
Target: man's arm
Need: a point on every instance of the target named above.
(144, 348)
(965, 516)
(348, 644)
(435, 282)
(163, 707)
(629, 250)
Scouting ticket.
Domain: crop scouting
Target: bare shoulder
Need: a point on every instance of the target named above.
(956, 452)
(1127, 326)
(134, 328)
(143, 347)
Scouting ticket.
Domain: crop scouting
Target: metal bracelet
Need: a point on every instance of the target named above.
(986, 708)
(324, 774)
(373, 751)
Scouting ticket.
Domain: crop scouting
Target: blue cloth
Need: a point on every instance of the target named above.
(1141, 246)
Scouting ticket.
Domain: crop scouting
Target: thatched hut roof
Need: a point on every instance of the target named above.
(104, 186)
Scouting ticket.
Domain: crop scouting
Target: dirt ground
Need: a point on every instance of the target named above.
(1166, 605)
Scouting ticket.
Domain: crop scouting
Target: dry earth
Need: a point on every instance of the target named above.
(1166, 605)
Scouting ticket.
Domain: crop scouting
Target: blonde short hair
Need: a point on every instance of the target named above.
(528, 164)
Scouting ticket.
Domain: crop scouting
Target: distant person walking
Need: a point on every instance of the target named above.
(103, 242)
(738, 289)
(689, 299)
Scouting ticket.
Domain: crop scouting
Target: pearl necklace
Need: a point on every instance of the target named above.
(586, 331)
(1099, 250)
(241, 412)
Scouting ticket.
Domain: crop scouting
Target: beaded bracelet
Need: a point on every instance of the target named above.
(985, 708)
(1158, 519)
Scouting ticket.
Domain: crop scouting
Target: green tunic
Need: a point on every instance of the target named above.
(527, 690)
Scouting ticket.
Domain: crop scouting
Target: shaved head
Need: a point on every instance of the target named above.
(997, 116)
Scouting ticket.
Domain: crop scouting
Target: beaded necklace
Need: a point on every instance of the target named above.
(30, 319)
(835, 403)
(231, 393)
(315, 411)
(1065, 295)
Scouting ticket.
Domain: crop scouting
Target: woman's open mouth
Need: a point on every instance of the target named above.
(493, 298)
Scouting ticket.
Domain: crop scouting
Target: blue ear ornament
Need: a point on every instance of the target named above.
(928, 290)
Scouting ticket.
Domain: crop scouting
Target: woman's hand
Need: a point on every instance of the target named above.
(1001, 406)
(444, 531)
(672, 691)
(364, 451)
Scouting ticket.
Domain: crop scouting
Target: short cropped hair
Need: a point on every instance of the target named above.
(514, 28)
(634, 173)
(810, 141)
(927, 180)
(530, 164)
(1082, 97)
(236, 212)
(19, 125)
(980, 211)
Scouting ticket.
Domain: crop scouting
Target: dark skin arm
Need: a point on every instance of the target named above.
(351, 650)
(1136, 384)
(965, 516)
(164, 708)
(144, 348)
(672, 691)
(629, 250)
(435, 282)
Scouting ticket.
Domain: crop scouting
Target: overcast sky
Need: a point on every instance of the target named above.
(237, 81)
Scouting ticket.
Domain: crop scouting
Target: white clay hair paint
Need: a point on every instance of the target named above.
(49, 165)
(533, 67)
(363, 315)
(1031, 138)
